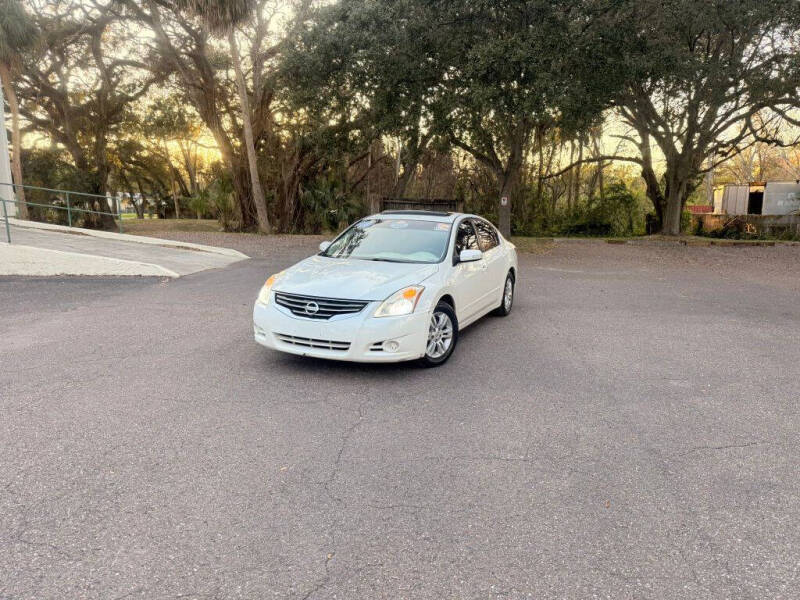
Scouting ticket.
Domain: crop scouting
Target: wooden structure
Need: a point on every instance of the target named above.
(437, 204)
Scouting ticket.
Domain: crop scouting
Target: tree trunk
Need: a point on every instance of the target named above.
(507, 181)
(16, 140)
(173, 188)
(100, 204)
(539, 171)
(140, 206)
(175, 201)
(671, 223)
(679, 187)
(399, 188)
(289, 182)
(190, 164)
(105, 220)
(409, 160)
(570, 176)
(129, 190)
(578, 174)
(255, 181)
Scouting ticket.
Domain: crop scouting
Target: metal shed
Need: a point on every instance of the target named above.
(781, 198)
(734, 200)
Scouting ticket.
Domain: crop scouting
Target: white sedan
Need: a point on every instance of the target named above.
(394, 286)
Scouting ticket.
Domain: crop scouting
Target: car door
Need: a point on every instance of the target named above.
(495, 274)
(467, 278)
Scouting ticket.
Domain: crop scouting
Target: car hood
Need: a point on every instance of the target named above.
(351, 278)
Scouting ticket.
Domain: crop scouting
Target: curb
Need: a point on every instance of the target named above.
(702, 243)
(126, 237)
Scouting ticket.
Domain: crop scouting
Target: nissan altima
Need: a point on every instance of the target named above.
(394, 286)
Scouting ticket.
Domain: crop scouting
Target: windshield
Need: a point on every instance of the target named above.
(392, 240)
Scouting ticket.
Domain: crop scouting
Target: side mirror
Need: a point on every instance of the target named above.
(324, 246)
(470, 255)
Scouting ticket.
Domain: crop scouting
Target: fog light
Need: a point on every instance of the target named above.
(391, 346)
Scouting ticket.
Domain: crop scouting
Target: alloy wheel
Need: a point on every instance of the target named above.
(508, 294)
(440, 335)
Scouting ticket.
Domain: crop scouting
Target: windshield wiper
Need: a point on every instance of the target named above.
(393, 260)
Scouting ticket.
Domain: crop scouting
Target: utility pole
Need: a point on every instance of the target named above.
(6, 191)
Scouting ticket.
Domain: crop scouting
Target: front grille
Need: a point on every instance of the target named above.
(312, 307)
(313, 343)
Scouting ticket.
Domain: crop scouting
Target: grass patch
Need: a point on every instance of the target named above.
(533, 245)
(156, 226)
(133, 217)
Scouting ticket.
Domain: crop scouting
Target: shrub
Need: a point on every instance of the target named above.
(220, 197)
(326, 207)
(615, 214)
(200, 204)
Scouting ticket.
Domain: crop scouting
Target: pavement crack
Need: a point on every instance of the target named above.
(722, 447)
(337, 463)
(324, 581)
(326, 485)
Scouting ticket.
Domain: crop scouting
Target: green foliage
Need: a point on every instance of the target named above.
(200, 204)
(622, 210)
(439, 98)
(481, 75)
(327, 208)
(221, 201)
(615, 214)
(702, 80)
(220, 15)
(51, 168)
(17, 31)
(686, 221)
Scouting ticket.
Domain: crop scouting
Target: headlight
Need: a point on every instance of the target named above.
(265, 293)
(402, 302)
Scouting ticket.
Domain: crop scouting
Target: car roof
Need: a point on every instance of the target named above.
(421, 215)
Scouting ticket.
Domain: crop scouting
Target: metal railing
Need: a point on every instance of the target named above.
(65, 196)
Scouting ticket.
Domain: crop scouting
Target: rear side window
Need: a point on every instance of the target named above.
(465, 237)
(487, 235)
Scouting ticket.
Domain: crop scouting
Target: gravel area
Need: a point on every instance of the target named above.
(777, 266)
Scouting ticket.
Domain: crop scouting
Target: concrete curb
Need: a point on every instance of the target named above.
(29, 261)
(125, 237)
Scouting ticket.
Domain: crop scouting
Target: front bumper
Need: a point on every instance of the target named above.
(359, 338)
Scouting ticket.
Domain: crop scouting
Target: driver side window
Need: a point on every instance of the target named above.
(466, 239)
(487, 235)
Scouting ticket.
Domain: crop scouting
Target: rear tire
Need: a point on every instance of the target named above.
(507, 301)
(442, 336)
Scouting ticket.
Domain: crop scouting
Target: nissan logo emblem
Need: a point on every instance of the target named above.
(312, 308)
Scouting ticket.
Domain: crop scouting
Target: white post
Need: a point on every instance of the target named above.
(6, 191)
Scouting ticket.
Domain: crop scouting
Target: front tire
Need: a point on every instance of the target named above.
(442, 336)
(507, 301)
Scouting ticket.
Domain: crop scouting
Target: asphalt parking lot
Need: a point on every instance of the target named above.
(630, 431)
